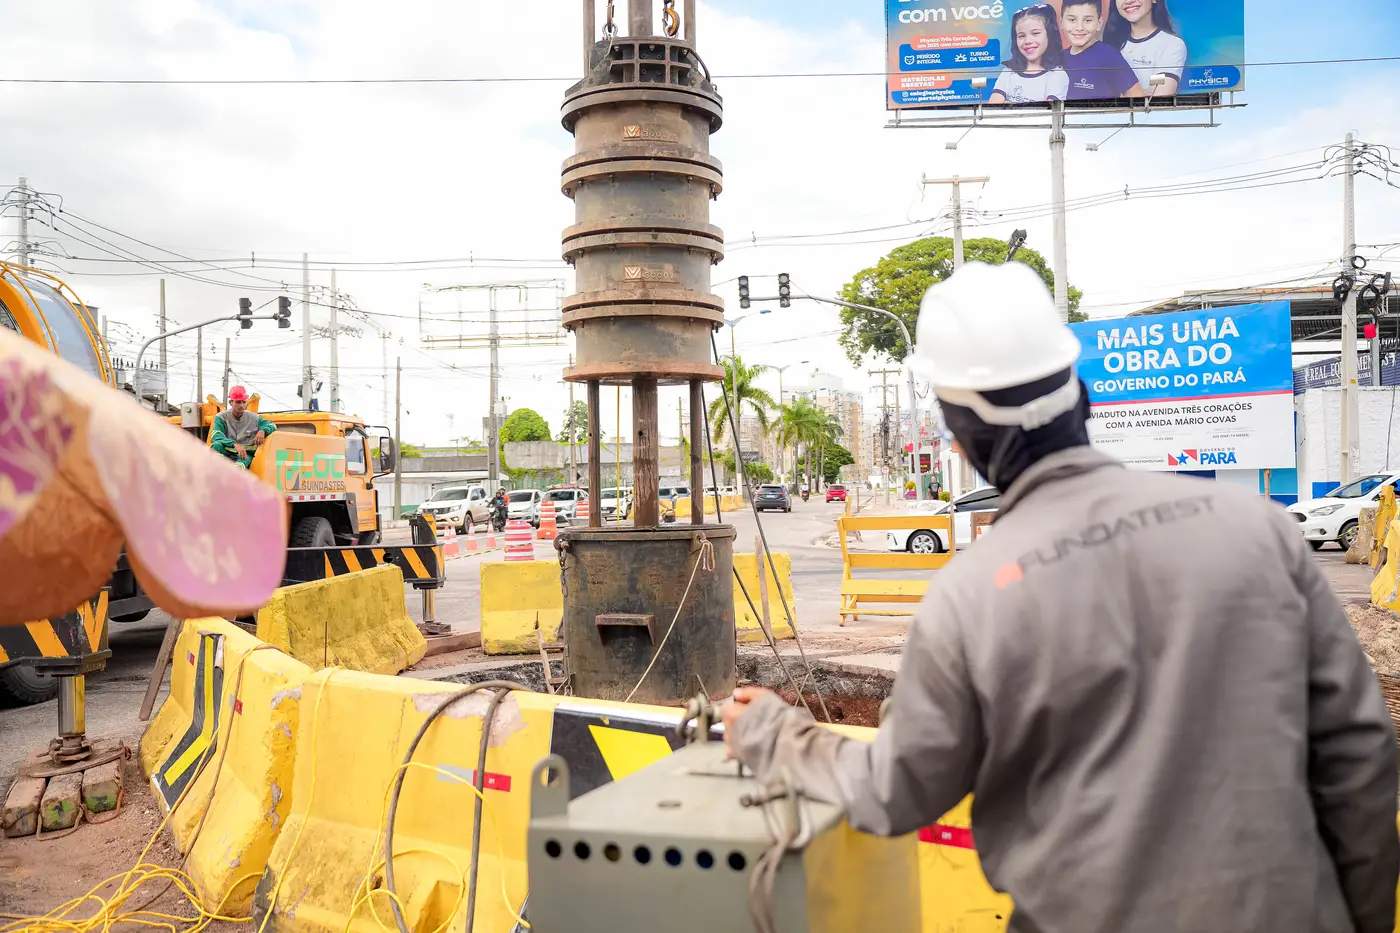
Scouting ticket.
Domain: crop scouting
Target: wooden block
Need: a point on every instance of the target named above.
(21, 813)
(101, 785)
(59, 808)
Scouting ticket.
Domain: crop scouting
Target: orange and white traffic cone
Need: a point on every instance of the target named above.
(450, 548)
(549, 525)
(490, 536)
(581, 514)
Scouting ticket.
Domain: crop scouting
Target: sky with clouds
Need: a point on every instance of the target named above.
(246, 178)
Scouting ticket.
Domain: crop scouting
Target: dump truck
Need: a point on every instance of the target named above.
(326, 464)
(320, 460)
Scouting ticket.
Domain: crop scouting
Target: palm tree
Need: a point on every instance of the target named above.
(801, 424)
(831, 432)
(740, 384)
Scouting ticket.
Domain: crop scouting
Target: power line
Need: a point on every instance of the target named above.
(544, 79)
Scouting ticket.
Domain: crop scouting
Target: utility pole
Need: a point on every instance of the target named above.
(1057, 196)
(493, 439)
(384, 372)
(957, 182)
(680, 431)
(306, 378)
(199, 366)
(23, 248)
(573, 456)
(885, 430)
(228, 345)
(165, 372)
(398, 437)
(335, 346)
(1349, 363)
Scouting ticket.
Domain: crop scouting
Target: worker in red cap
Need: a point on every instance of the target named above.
(238, 431)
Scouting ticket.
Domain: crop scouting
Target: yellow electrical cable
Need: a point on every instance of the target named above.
(377, 861)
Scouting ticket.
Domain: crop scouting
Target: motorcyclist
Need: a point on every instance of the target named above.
(500, 511)
(237, 431)
(1145, 682)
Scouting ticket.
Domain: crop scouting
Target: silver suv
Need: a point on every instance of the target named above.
(457, 507)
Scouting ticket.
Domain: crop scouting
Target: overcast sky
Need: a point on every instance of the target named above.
(250, 177)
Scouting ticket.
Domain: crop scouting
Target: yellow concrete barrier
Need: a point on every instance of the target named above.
(727, 504)
(857, 595)
(745, 622)
(1385, 514)
(516, 599)
(1385, 586)
(224, 739)
(357, 621)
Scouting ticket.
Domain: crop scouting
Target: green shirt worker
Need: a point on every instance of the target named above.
(238, 431)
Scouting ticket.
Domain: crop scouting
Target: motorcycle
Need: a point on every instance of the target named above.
(498, 517)
(806, 494)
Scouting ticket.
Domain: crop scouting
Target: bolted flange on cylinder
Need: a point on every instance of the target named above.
(642, 179)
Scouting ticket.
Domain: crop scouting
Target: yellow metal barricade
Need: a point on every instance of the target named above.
(859, 594)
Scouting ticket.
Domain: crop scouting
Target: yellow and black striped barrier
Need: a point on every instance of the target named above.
(422, 565)
(76, 641)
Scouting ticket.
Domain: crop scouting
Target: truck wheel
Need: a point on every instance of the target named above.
(132, 616)
(27, 685)
(369, 538)
(313, 531)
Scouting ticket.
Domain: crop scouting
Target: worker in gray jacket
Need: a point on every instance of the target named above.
(1163, 716)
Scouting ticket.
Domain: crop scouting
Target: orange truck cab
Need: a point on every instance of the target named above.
(325, 464)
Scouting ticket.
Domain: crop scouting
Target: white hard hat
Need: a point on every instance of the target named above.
(995, 327)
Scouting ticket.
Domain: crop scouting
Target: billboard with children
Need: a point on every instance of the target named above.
(963, 53)
(1194, 390)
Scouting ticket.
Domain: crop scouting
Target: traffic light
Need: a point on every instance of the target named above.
(744, 291)
(784, 290)
(245, 312)
(284, 312)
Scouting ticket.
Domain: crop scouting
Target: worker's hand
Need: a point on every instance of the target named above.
(240, 450)
(737, 707)
(259, 437)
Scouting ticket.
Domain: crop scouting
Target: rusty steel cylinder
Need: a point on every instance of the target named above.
(622, 590)
(642, 244)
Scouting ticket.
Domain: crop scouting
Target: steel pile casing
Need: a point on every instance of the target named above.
(642, 244)
(620, 572)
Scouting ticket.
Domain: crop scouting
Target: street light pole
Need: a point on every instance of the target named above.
(166, 335)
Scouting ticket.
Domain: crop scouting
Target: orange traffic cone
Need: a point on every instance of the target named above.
(471, 538)
(490, 536)
(581, 514)
(450, 547)
(549, 526)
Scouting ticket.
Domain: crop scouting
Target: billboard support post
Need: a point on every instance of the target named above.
(1057, 195)
(1350, 411)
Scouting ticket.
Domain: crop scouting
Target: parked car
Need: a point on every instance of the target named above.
(524, 504)
(566, 501)
(458, 507)
(611, 503)
(1336, 516)
(772, 496)
(935, 540)
(836, 492)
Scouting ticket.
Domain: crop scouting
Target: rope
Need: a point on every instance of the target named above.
(704, 558)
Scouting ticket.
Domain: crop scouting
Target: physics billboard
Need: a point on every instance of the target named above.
(1072, 50)
(1194, 390)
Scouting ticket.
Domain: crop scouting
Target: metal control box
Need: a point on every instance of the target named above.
(674, 846)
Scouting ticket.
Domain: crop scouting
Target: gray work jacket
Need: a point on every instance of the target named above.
(1159, 706)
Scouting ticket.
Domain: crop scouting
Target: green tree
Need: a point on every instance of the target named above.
(410, 452)
(740, 384)
(833, 459)
(897, 284)
(577, 418)
(803, 427)
(524, 424)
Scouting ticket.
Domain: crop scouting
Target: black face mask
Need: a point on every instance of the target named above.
(1002, 454)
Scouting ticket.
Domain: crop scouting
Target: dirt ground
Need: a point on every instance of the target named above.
(40, 875)
(1379, 632)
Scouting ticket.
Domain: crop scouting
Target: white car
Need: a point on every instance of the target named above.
(610, 503)
(524, 504)
(1335, 516)
(459, 507)
(566, 502)
(935, 540)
